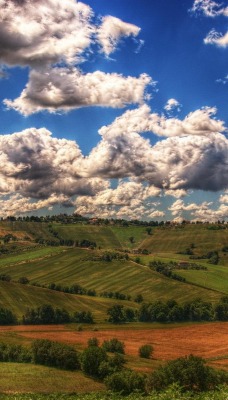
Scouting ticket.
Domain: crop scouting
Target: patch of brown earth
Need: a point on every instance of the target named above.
(205, 340)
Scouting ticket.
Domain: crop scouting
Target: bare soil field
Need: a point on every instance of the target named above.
(209, 340)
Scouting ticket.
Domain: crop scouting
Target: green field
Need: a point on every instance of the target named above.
(18, 297)
(72, 266)
(28, 378)
(66, 266)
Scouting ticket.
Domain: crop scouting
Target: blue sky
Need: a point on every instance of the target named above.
(115, 109)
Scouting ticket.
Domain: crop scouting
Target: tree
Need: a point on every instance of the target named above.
(47, 352)
(93, 342)
(116, 314)
(113, 346)
(91, 359)
(23, 280)
(189, 372)
(126, 382)
(7, 317)
(145, 351)
(149, 230)
(139, 298)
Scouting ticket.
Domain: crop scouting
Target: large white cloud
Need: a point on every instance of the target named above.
(36, 165)
(46, 31)
(196, 159)
(128, 200)
(39, 168)
(112, 30)
(64, 89)
(199, 123)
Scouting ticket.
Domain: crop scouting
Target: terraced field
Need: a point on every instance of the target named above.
(73, 266)
(65, 266)
(18, 297)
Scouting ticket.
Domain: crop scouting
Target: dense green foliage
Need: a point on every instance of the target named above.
(14, 353)
(172, 393)
(46, 352)
(113, 346)
(189, 372)
(171, 311)
(7, 317)
(46, 314)
(118, 314)
(91, 360)
(145, 351)
(126, 382)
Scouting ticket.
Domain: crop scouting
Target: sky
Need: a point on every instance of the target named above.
(114, 109)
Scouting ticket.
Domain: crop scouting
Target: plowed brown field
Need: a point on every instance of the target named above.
(206, 340)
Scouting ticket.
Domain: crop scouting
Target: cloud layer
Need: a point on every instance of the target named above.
(42, 32)
(193, 155)
(65, 89)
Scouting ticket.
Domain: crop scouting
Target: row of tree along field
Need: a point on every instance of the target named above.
(190, 372)
(157, 311)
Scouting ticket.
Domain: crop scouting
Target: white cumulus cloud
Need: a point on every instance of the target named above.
(112, 30)
(64, 89)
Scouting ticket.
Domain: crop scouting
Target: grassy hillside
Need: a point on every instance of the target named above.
(103, 236)
(75, 266)
(23, 229)
(18, 297)
(65, 266)
(176, 239)
(27, 378)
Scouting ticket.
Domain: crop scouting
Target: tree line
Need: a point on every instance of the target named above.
(157, 311)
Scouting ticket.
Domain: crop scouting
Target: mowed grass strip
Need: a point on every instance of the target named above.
(103, 236)
(178, 239)
(18, 297)
(7, 260)
(216, 277)
(28, 378)
(130, 236)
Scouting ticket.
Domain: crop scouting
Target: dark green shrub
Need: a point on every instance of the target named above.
(145, 351)
(189, 372)
(14, 353)
(93, 342)
(23, 280)
(91, 359)
(126, 382)
(84, 317)
(112, 365)
(7, 317)
(113, 346)
(46, 352)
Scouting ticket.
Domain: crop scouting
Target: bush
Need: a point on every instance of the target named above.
(85, 317)
(23, 280)
(145, 351)
(91, 359)
(93, 342)
(46, 352)
(14, 353)
(126, 382)
(112, 365)
(7, 317)
(189, 372)
(113, 346)
(45, 314)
